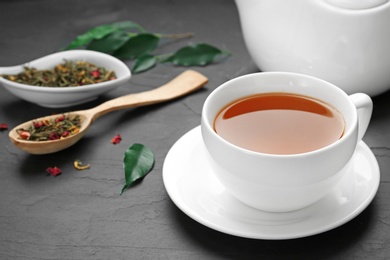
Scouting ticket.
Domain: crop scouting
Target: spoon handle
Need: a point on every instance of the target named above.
(185, 83)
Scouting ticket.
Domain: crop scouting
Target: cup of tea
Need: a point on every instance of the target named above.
(281, 141)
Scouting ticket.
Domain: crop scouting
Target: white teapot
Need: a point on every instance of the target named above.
(345, 42)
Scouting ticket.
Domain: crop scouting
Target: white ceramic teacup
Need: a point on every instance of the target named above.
(281, 183)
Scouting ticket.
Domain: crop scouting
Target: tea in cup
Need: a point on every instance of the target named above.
(281, 141)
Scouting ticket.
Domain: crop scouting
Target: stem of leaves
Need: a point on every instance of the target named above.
(175, 36)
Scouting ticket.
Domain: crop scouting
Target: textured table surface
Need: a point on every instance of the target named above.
(80, 214)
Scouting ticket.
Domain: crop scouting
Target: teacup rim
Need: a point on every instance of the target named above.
(338, 142)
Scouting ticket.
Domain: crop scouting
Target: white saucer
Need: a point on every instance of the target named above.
(193, 187)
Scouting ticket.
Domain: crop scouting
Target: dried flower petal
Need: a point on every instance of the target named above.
(53, 171)
(117, 139)
(80, 166)
(65, 134)
(46, 122)
(60, 118)
(37, 124)
(54, 136)
(95, 73)
(3, 126)
(23, 134)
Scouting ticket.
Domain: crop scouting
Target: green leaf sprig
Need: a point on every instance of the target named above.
(129, 40)
(138, 161)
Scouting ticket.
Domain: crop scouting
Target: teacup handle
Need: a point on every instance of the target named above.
(364, 107)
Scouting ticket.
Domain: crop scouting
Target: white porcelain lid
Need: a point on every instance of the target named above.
(356, 4)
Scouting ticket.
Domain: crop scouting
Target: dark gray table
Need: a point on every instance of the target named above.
(80, 215)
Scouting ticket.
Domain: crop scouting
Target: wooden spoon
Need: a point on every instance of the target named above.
(183, 84)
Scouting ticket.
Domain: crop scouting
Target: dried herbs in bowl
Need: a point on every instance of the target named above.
(67, 74)
(65, 78)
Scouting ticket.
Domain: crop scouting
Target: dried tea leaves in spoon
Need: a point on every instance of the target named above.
(51, 129)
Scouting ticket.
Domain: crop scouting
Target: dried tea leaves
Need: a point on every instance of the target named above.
(67, 74)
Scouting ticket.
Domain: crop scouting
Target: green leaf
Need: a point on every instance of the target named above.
(143, 63)
(128, 40)
(101, 31)
(110, 43)
(127, 25)
(137, 163)
(197, 55)
(137, 46)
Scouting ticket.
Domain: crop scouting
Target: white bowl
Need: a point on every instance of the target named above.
(56, 97)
